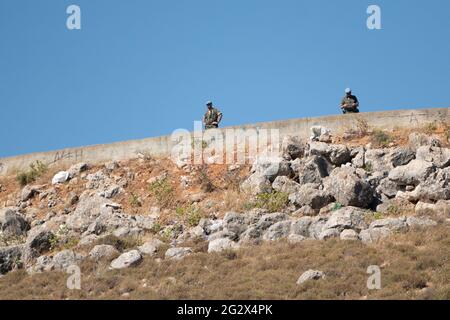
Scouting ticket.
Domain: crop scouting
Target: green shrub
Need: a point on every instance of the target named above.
(274, 201)
(36, 170)
(135, 200)
(368, 167)
(430, 128)
(120, 244)
(190, 215)
(381, 138)
(163, 191)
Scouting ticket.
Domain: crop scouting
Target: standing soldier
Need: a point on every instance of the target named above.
(349, 103)
(212, 117)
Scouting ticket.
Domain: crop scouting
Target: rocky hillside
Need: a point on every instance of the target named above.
(362, 188)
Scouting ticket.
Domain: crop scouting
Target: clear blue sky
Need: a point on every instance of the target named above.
(141, 68)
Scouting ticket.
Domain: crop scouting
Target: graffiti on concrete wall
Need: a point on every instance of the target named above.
(73, 155)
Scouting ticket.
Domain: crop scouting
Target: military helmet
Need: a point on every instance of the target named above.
(209, 103)
(348, 90)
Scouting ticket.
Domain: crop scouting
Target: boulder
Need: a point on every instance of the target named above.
(374, 235)
(39, 241)
(417, 139)
(110, 191)
(420, 222)
(235, 223)
(310, 275)
(270, 219)
(434, 188)
(127, 259)
(286, 185)
(309, 196)
(348, 188)
(278, 231)
(358, 157)
(347, 218)
(64, 259)
(221, 244)
(440, 157)
(43, 264)
(377, 160)
(178, 253)
(311, 170)
(393, 224)
(293, 148)
(151, 247)
(76, 169)
(301, 226)
(349, 234)
(413, 173)
(103, 252)
(320, 133)
(387, 187)
(295, 238)
(316, 227)
(10, 258)
(12, 223)
(337, 154)
(328, 234)
(29, 192)
(271, 167)
(440, 208)
(401, 156)
(88, 208)
(256, 184)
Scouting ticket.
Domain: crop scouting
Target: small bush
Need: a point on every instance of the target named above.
(378, 216)
(430, 128)
(163, 191)
(381, 138)
(190, 215)
(36, 170)
(273, 202)
(368, 167)
(156, 228)
(135, 200)
(205, 182)
(362, 127)
(120, 244)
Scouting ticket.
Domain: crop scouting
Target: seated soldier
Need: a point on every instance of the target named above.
(349, 103)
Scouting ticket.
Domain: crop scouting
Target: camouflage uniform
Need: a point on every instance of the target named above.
(350, 104)
(212, 118)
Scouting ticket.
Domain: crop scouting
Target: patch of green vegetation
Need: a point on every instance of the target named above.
(431, 127)
(171, 232)
(190, 214)
(36, 170)
(135, 200)
(156, 228)
(368, 167)
(336, 206)
(163, 191)
(378, 216)
(381, 138)
(394, 210)
(273, 202)
(120, 244)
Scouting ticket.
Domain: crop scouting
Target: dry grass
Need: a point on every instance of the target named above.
(414, 266)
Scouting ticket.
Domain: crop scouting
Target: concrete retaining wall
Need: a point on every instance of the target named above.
(161, 146)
